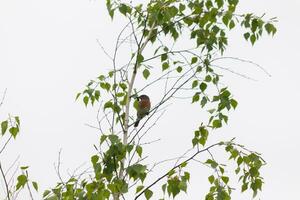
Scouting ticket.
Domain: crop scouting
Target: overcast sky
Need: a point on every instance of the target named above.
(48, 52)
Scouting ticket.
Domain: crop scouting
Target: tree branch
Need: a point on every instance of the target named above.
(175, 167)
(5, 182)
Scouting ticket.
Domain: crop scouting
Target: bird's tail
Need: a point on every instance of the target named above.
(136, 123)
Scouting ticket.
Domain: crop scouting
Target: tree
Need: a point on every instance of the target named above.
(10, 129)
(155, 31)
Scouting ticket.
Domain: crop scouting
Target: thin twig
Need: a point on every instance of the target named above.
(29, 190)
(6, 143)
(104, 50)
(234, 72)
(175, 167)
(11, 166)
(246, 61)
(3, 97)
(5, 182)
(57, 169)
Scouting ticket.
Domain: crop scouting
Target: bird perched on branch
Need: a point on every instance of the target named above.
(143, 108)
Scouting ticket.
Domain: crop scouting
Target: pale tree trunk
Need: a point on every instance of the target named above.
(128, 101)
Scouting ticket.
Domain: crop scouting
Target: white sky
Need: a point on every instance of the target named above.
(48, 52)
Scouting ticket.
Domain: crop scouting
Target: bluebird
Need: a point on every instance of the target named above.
(143, 108)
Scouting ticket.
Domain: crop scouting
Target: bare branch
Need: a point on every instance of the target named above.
(246, 61)
(57, 168)
(5, 182)
(104, 50)
(236, 73)
(6, 143)
(29, 190)
(3, 97)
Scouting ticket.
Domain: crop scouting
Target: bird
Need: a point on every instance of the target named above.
(143, 108)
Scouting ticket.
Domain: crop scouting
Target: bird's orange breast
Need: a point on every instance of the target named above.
(144, 104)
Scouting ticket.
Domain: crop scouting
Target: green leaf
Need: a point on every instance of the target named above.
(239, 161)
(17, 120)
(204, 135)
(136, 104)
(139, 150)
(107, 86)
(101, 77)
(123, 86)
(165, 66)
(212, 163)
(225, 179)
(209, 196)
(222, 170)
(35, 185)
(77, 96)
(195, 83)
(146, 73)
(233, 103)
(22, 180)
(148, 194)
(163, 57)
(195, 141)
(244, 187)
(179, 69)
(109, 8)
(203, 101)
(4, 125)
(254, 172)
(270, 28)
(231, 24)
(203, 86)
(184, 164)
(118, 185)
(97, 95)
(108, 104)
(113, 139)
(182, 186)
(129, 147)
(46, 193)
(173, 186)
(194, 60)
(140, 58)
(211, 179)
(175, 34)
(163, 187)
(85, 100)
(171, 172)
(139, 188)
(103, 138)
(186, 176)
(94, 159)
(196, 98)
(208, 78)
(252, 39)
(24, 167)
(14, 131)
(258, 183)
(234, 154)
(197, 133)
(137, 171)
(217, 123)
(226, 19)
(220, 3)
(237, 170)
(181, 7)
(124, 9)
(246, 36)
